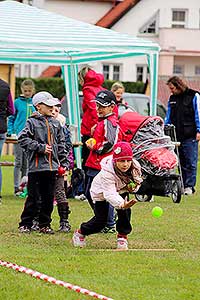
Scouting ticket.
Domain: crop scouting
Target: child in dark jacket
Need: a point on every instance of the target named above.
(44, 142)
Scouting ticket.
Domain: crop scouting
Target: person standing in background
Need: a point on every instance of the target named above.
(184, 113)
(91, 83)
(6, 109)
(23, 110)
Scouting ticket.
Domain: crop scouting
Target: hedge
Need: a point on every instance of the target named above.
(55, 86)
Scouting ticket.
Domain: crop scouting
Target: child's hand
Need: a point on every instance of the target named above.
(127, 204)
(48, 149)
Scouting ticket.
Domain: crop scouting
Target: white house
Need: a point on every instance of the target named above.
(174, 25)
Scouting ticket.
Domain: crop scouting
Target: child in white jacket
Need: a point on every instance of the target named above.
(120, 175)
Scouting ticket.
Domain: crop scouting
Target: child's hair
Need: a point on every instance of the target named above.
(117, 85)
(27, 82)
(82, 73)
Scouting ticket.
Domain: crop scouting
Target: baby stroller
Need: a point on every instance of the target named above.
(156, 154)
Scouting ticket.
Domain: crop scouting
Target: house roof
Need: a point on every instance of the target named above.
(107, 21)
(116, 13)
(51, 71)
(55, 39)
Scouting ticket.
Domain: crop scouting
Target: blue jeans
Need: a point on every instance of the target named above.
(188, 153)
(2, 140)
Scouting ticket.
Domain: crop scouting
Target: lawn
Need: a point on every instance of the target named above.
(142, 274)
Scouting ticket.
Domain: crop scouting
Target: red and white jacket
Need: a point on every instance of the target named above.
(107, 133)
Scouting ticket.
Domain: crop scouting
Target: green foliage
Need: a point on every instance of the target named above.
(130, 87)
(55, 86)
(142, 274)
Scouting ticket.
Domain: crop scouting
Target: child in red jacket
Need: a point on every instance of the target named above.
(106, 135)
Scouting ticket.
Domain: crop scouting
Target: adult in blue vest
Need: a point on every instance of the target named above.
(6, 109)
(184, 113)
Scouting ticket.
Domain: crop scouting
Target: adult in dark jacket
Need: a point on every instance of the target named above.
(6, 109)
(184, 113)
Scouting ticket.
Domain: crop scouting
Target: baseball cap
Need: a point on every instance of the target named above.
(122, 151)
(105, 98)
(45, 98)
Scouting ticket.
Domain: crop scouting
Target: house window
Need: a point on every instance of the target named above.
(151, 26)
(178, 18)
(197, 70)
(27, 71)
(116, 72)
(17, 70)
(106, 71)
(112, 72)
(178, 69)
(139, 73)
(36, 71)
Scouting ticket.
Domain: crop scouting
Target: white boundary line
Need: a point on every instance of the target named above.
(52, 280)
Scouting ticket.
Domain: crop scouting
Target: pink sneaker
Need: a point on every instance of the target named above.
(78, 239)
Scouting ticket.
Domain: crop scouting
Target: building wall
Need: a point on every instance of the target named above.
(86, 11)
(174, 42)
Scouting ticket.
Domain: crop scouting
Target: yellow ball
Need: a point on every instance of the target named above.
(157, 212)
(91, 142)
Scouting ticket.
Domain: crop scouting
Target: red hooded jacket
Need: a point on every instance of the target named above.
(107, 133)
(92, 85)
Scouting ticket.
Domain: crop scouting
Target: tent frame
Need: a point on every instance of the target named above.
(57, 40)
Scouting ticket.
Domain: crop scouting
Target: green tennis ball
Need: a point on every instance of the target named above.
(157, 212)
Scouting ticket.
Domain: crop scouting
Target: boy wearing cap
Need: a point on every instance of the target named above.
(44, 142)
(106, 134)
(120, 175)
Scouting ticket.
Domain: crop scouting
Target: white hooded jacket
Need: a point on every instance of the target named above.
(106, 185)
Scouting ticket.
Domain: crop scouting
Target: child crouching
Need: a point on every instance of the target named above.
(120, 174)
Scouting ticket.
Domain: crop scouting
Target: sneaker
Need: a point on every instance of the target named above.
(188, 191)
(17, 191)
(122, 244)
(35, 226)
(80, 197)
(0, 200)
(108, 230)
(78, 239)
(64, 227)
(46, 230)
(24, 229)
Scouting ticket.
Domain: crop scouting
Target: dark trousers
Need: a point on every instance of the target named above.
(85, 151)
(99, 221)
(62, 203)
(41, 187)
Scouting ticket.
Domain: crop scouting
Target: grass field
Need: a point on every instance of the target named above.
(131, 275)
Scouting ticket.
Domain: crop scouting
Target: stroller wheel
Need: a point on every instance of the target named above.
(176, 191)
(143, 198)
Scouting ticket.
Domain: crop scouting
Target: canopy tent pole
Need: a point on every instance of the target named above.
(153, 69)
(70, 76)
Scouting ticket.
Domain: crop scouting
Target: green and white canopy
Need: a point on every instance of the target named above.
(32, 35)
